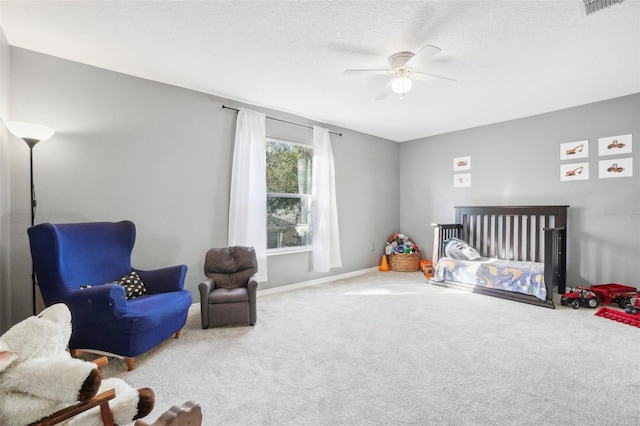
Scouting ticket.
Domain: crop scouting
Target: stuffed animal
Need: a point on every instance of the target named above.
(400, 243)
(38, 376)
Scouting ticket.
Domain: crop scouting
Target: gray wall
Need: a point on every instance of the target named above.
(159, 155)
(518, 163)
(128, 148)
(5, 208)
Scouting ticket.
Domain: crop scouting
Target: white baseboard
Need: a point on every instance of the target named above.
(196, 305)
(289, 287)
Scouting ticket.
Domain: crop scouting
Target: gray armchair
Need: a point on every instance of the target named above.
(228, 295)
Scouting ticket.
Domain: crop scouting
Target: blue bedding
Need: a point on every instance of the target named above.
(516, 276)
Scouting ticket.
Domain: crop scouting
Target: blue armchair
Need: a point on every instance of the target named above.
(84, 265)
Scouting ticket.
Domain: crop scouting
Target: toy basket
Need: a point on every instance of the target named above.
(404, 262)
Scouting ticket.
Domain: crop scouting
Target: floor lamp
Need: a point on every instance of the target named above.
(32, 134)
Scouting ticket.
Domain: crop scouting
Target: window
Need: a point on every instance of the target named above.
(288, 194)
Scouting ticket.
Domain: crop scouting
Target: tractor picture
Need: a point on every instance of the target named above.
(615, 144)
(614, 168)
(575, 171)
(575, 149)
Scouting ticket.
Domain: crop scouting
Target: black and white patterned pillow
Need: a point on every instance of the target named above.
(133, 285)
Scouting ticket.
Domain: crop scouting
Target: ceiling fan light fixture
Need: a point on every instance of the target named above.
(401, 85)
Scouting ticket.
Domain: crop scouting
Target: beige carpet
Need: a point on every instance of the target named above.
(386, 348)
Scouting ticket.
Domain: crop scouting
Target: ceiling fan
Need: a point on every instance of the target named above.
(402, 68)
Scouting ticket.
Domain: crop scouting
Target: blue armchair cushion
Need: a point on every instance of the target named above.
(133, 285)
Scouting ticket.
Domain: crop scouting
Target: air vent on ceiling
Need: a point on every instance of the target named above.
(592, 6)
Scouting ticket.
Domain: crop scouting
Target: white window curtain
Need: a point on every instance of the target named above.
(326, 236)
(248, 202)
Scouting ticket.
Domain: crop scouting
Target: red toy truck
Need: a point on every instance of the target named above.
(600, 294)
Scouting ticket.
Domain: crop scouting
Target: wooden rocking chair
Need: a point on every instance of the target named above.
(188, 414)
(101, 400)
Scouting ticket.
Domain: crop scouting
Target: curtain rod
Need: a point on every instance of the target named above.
(283, 121)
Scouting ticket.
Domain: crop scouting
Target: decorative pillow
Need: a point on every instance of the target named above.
(133, 285)
(456, 248)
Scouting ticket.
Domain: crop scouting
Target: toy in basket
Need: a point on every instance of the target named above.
(403, 253)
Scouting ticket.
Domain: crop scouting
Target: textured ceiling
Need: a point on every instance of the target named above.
(511, 59)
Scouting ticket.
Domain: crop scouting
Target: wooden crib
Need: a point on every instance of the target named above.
(518, 233)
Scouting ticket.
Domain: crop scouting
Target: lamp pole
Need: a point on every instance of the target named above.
(31, 134)
(32, 142)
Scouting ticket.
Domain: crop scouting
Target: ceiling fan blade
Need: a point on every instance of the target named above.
(423, 76)
(370, 72)
(427, 52)
(385, 91)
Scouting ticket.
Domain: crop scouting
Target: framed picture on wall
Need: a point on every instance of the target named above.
(574, 171)
(462, 180)
(615, 145)
(616, 167)
(572, 150)
(461, 163)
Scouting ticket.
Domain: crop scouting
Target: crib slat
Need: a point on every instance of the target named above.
(494, 236)
(503, 240)
(527, 241)
(465, 227)
(478, 232)
(481, 233)
(539, 228)
(512, 230)
(522, 255)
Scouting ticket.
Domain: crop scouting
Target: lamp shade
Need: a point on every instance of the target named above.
(401, 85)
(30, 132)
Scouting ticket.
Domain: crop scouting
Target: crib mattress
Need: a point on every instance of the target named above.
(510, 275)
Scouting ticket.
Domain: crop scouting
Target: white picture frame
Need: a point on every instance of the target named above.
(574, 171)
(461, 163)
(614, 145)
(462, 180)
(574, 150)
(615, 168)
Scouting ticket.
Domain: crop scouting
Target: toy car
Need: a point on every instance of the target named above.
(580, 296)
(620, 294)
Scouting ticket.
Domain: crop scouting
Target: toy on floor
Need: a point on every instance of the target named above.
(600, 294)
(188, 413)
(580, 296)
(427, 268)
(39, 377)
(630, 316)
